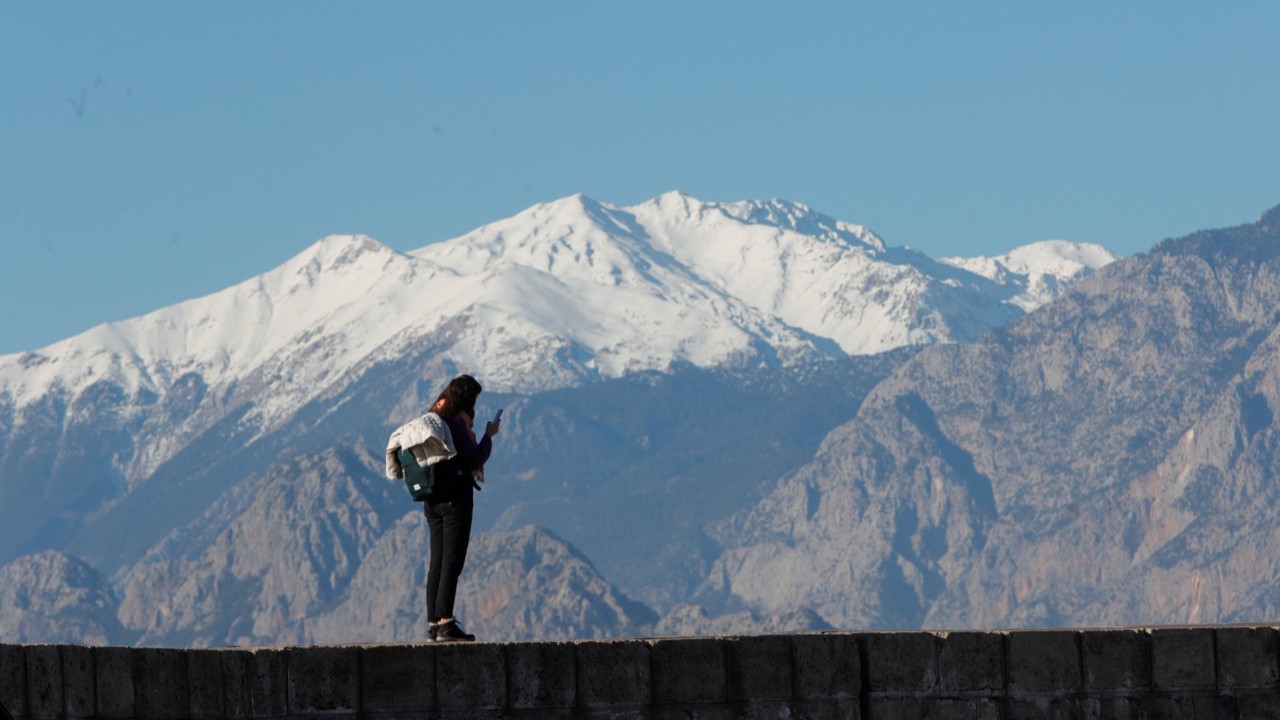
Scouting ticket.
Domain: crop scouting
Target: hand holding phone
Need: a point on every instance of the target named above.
(493, 426)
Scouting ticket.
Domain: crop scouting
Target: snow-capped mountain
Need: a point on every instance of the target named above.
(150, 437)
(1044, 270)
(1098, 463)
(1092, 461)
(565, 293)
(559, 294)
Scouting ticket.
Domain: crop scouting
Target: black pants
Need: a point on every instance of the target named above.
(450, 524)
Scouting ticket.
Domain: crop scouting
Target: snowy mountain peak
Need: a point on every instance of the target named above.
(561, 293)
(679, 208)
(1057, 257)
(574, 212)
(223, 336)
(1043, 269)
(677, 204)
(332, 254)
(573, 239)
(800, 218)
(338, 250)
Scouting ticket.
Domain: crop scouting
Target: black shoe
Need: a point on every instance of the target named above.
(450, 631)
(432, 631)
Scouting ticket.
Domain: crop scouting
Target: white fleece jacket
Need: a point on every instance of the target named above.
(427, 437)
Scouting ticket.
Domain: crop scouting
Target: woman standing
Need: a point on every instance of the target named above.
(449, 512)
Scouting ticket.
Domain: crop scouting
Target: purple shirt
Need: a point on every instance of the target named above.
(471, 454)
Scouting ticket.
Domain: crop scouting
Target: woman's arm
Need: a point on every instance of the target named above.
(473, 454)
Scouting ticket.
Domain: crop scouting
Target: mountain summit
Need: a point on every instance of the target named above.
(678, 279)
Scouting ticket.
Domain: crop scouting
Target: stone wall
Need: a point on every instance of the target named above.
(1169, 672)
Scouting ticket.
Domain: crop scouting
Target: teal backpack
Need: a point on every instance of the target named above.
(421, 481)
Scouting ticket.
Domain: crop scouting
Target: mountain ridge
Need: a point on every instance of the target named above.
(206, 343)
(1095, 462)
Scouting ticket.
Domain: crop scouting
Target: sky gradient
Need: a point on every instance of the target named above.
(156, 152)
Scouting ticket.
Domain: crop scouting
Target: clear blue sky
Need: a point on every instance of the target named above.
(155, 152)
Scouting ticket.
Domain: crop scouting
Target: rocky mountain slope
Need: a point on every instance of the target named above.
(526, 584)
(326, 551)
(322, 548)
(51, 597)
(1110, 458)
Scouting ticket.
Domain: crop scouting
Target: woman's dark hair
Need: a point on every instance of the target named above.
(458, 396)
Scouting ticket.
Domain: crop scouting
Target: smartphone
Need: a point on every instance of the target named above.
(498, 417)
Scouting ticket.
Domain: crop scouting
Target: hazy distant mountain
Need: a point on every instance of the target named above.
(326, 551)
(637, 349)
(1040, 271)
(278, 551)
(50, 597)
(1111, 458)
(521, 585)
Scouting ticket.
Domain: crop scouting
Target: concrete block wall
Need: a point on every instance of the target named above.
(1221, 672)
